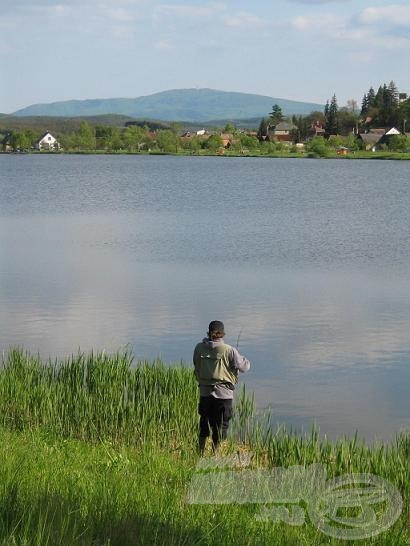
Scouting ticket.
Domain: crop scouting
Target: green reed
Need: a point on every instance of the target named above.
(98, 396)
(98, 449)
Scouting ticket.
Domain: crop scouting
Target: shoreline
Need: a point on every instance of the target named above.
(381, 156)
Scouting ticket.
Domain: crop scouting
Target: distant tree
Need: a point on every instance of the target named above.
(351, 142)
(384, 109)
(365, 106)
(86, 137)
(326, 111)
(263, 129)
(19, 141)
(250, 142)
(331, 117)
(69, 141)
(316, 117)
(276, 115)
(302, 124)
(371, 97)
(318, 147)
(347, 121)
(32, 137)
(267, 147)
(114, 141)
(192, 143)
(213, 143)
(336, 141)
(166, 140)
(175, 127)
(230, 128)
(399, 143)
(134, 137)
(393, 94)
(403, 114)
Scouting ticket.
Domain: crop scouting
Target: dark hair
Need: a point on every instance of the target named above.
(216, 329)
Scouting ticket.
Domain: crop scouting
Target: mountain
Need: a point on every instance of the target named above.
(177, 105)
(58, 124)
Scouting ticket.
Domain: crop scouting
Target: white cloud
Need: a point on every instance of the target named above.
(318, 23)
(361, 29)
(121, 15)
(243, 19)
(394, 14)
(162, 44)
(317, 1)
(184, 10)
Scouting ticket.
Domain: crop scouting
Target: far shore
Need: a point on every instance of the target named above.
(380, 155)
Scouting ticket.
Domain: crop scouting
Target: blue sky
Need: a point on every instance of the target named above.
(297, 49)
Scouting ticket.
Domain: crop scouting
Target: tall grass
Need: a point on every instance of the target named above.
(99, 397)
(98, 449)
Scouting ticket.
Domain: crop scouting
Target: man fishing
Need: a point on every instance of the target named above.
(216, 369)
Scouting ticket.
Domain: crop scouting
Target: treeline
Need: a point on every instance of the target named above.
(134, 138)
(385, 108)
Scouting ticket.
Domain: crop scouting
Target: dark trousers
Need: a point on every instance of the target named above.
(214, 414)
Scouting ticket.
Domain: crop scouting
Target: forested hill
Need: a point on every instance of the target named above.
(177, 105)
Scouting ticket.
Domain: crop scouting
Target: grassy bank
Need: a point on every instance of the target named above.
(381, 155)
(100, 450)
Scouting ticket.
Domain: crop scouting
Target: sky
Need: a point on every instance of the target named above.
(294, 49)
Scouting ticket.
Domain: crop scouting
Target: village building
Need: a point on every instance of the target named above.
(47, 142)
(370, 140)
(376, 137)
(228, 140)
(392, 131)
(6, 143)
(342, 150)
(316, 129)
(282, 131)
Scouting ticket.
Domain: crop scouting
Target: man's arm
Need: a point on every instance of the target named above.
(196, 363)
(238, 361)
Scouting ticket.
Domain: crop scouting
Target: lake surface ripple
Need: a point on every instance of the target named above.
(306, 261)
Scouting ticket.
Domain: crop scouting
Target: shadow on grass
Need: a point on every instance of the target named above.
(51, 520)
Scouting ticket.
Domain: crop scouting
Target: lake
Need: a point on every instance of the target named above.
(306, 261)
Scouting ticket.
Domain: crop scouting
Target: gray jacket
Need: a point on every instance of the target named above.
(237, 361)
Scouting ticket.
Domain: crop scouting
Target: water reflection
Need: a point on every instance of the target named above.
(326, 326)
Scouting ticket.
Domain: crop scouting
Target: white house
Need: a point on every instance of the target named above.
(47, 142)
(393, 131)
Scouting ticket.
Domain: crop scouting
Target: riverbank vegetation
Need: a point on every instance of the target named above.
(377, 130)
(100, 450)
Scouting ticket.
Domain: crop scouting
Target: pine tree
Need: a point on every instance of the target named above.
(371, 97)
(326, 109)
(276, 115)
(365, 106)
(331, 115)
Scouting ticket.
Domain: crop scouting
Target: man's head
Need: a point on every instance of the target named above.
(216, 329)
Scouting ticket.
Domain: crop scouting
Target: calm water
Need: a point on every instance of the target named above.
(307, 261)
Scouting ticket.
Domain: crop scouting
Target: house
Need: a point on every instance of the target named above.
(342, 150)
(47, 142)
(370, 140)
(282, 131)
(316, 129)
(378, 131)
(6, 143)
(392, 131)
(228, 140)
